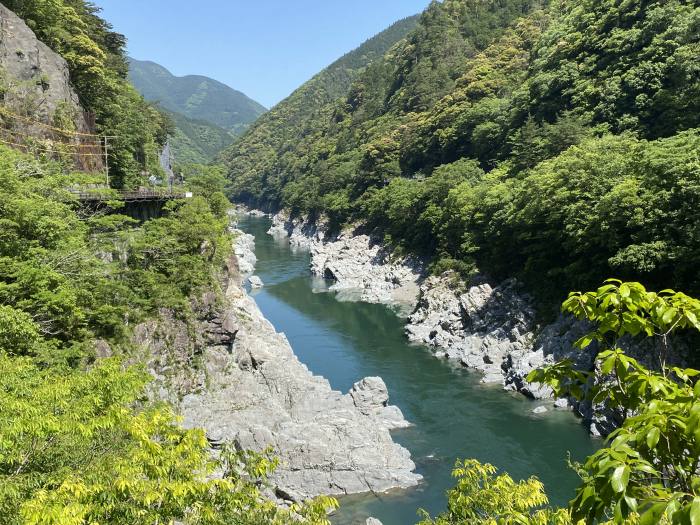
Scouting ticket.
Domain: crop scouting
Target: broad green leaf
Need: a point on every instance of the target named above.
(694, 513)
(653, 437)
(619, 479)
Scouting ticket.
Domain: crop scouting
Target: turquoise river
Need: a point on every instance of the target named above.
(453, 414)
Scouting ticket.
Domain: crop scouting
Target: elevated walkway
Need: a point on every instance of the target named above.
(139, 204)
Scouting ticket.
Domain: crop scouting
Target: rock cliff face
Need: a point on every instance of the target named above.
(492, 329)
(243, 384)
(36, 80)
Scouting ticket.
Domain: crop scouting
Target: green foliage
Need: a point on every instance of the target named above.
(266, 158)
(581, 114)
(18, 332)
(483, 498)
(649, 468)
(196, 141)
(648, 471)
(77, 449)
(50, 271)
(633, 65)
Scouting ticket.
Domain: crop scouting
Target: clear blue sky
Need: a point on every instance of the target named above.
(265, 48)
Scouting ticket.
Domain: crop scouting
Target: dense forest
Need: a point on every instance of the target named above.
(195, 141)
(278, 132)
(553, 141)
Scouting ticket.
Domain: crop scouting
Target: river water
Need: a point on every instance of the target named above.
(454, 415)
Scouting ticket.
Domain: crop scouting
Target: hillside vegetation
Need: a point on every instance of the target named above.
(196, 141)
(194, 96)
(278, 133)
(553, 141)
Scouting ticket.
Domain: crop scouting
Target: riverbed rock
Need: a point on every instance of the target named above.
(357, 265)
(244, 249)
(254, 393)
(373, 521)
(561, 403)
(540, 410)
(371, 397)
(255, 281)
(484, 327)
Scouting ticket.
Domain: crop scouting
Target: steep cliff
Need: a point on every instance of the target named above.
(35, 80)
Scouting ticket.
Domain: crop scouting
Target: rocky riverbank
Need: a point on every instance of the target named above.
(489, 328)
(242, 383)
(485, 326)
(360, 267)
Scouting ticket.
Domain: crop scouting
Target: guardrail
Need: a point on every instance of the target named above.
(130, 196)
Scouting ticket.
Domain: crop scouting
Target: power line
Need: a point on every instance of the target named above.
(6, 112)
(48, 150)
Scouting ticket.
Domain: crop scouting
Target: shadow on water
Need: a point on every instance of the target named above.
(454, 415)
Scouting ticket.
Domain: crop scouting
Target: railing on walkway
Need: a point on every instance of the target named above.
(130, 195)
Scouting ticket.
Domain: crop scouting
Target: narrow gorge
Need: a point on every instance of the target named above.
(344, 330)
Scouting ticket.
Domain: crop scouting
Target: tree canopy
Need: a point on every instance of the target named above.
(581, 116)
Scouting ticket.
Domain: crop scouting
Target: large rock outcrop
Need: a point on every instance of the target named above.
(34, 77)
(491, 329)
(244, 385)
(358, 265)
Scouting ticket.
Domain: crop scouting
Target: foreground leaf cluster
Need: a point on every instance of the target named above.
(648, 472)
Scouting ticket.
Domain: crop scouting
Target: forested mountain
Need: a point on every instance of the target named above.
(196, 141)
(553, 141)
(280, 129)
(194, 96)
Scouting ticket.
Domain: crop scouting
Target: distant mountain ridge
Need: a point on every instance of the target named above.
(195, 96)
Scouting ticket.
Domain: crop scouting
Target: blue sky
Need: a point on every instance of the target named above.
(265, 48)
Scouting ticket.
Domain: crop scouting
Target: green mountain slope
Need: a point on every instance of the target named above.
(194, 96)
(197, 141)
(549, 141)
(280, 129)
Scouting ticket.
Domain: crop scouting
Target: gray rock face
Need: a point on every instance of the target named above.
(360, 268)
(255, 281)
(371, 398)
(492, 329)
(244, 249)
(253, 391)
(36, 78)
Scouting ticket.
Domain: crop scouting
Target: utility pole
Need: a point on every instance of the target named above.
(107, 160)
